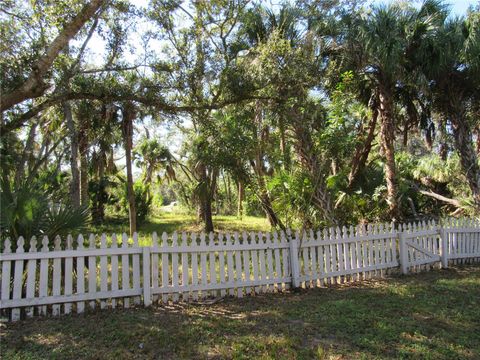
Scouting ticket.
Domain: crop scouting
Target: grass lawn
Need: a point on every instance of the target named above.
(169, 222)
(434, 315)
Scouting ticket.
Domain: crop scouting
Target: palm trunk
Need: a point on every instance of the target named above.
(443, 147)
(468, 156)
(75, 183)
(387, 132)
(128, 116)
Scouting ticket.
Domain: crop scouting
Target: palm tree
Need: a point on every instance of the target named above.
(455, 71)
(383, 47)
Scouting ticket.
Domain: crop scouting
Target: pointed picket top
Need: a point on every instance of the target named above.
(211, 239)
(351, 231)
(220, 238)
(288, 234)
(283, 237)
(20, 245)
(268, 239)
(423, 225)
(33, 244)
(245, 238)
(124, 240)
(364, 229)
(322, 235)
(91, 241)
(80, 241)
(344, 232)
(164, 239)
(69, 245)
(253, 239)
(260, 239)
(228, 238)
(57, 242)
(202, 239)
(7, 246)
(103, 241)
(381, 228)
(184, 241)
(275, 237)
(114, 241)
(415, 227)
(193, 237)
(236, 238)
(135, 239)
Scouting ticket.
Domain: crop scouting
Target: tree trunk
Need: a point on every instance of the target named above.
(72, 132)
(240, 200)
(362, 151)
(259, 169)
(83, 152)
(443, 147)
(387, 132)
(27, 152)
(204, 210)
(468, 156)
(128, 116)
(477, 142)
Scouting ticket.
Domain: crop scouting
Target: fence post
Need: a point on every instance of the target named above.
(402, 242)
(444, 249)
(294, 259)
(147, 297)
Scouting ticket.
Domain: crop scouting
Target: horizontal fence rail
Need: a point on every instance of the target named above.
(70, 276)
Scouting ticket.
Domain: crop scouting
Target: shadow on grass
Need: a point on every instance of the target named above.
(433, 315)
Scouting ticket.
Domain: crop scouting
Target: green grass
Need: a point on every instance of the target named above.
(434, 315)
(170, 222)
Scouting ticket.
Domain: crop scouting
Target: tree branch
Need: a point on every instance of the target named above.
(35, 86)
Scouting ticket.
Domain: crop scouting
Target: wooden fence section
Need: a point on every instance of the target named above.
(62, 277)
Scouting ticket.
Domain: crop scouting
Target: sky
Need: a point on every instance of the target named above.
(459, 7)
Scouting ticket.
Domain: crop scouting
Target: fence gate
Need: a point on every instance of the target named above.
(419, 248)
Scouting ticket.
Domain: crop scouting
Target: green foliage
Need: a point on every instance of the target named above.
(27, 210)
(143, 201)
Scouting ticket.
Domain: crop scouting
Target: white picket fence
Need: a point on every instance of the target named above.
(116, 272)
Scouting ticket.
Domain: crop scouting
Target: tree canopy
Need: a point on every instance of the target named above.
(308, 113)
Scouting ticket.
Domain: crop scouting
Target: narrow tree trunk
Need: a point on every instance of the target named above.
(240, 200)
(468, 156)
(362, 151)
(27, 152)
(128, 116)
(477, 142)
(72, 133)
(387, 132)
(83, 152)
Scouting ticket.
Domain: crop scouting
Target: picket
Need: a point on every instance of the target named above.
(114, 267)
(80, 274)
(31, 276)
(103, 270)
(219, 265)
